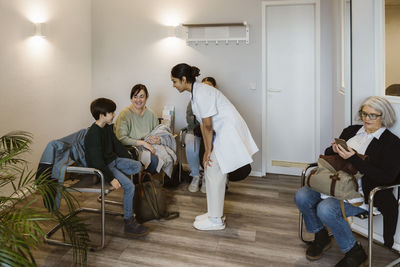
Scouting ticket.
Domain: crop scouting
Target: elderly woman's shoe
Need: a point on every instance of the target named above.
(322, 242)
(355, 257)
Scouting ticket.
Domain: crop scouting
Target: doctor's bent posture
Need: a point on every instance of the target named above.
(227, 140)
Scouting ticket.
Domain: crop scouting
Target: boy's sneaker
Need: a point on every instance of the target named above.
(203, 185)
(133, 228)
(194, 185)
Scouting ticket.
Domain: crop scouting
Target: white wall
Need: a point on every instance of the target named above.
(102, 48)
(45, 84)
(130, 46)
(327, 73)
(363, 34)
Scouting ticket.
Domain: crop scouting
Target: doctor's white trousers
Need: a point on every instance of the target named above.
(215, 186)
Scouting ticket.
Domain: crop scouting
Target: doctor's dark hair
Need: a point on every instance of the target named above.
(184, 70)
(102, 106)
(137, 88)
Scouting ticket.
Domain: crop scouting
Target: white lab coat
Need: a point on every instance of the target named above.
(233, 144)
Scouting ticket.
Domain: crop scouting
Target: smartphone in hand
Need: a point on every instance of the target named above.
(342, 143)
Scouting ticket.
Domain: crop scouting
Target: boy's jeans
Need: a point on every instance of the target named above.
(121, 167)
(319, 212)
(192, 143)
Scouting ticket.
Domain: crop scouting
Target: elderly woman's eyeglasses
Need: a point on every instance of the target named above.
(371, 116)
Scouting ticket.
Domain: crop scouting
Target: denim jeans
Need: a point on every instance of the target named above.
(192, 148)
(318, 212)
(121, 167)
(152, 168)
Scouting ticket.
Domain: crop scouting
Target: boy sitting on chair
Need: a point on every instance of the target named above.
(103, 151)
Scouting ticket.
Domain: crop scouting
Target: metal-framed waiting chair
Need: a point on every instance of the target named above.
(367, 215)
(86, 185)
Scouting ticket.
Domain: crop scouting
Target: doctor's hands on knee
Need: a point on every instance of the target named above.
(115, 183)
(206, 160)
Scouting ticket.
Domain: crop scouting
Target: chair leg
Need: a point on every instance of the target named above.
(301, 229)
(48, 236)
(102, 211)
(182, 146)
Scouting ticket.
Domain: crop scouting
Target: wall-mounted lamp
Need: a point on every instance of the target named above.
(40, 29)
(171, 31)
(176, 31)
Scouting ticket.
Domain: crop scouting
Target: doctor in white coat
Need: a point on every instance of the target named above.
(227, 140)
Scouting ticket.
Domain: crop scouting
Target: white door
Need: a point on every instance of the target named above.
(290, 82)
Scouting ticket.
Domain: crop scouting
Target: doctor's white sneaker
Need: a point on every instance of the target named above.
(194, 185)
(209, 224)
(205, 216)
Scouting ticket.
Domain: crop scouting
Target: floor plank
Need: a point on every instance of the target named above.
(261, 231)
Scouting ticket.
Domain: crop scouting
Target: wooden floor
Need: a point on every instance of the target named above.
(261, 230)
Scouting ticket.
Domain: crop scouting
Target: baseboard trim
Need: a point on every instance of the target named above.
(288, 164)
(256, 174)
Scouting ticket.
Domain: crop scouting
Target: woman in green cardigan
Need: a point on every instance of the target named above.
(135, 121)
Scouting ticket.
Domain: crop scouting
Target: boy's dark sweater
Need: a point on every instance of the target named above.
(102, 147)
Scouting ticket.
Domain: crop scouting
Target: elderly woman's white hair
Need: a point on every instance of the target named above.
(383, 106)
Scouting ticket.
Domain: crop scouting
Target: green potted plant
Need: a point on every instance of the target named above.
(21, 222)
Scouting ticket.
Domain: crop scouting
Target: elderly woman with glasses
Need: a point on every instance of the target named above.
(381, 167)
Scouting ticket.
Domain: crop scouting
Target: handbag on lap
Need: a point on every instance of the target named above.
(335, 177)
(338, 178)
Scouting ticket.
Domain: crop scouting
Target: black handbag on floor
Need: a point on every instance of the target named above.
(149, 200)
(239, 174)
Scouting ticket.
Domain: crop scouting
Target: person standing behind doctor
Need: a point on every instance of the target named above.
(193, 143)
(227, 140)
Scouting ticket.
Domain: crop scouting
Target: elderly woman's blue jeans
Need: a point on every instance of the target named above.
(120, 168)
(318, 212)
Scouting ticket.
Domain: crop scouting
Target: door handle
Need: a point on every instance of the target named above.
(274, 90)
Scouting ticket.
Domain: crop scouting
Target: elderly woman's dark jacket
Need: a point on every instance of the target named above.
(381, 167)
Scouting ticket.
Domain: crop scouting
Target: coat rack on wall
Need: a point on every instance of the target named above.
(216, 33)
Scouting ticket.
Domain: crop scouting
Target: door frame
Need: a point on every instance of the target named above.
(317, 123)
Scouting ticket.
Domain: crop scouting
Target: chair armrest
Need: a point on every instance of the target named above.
(380, 188)
(304, 172)
(85, 170)
(374, 191)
